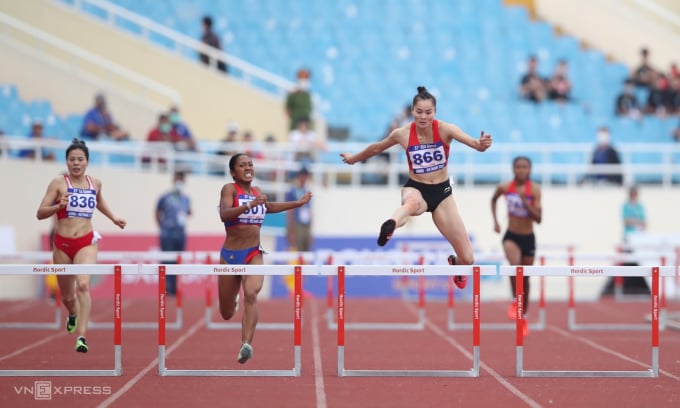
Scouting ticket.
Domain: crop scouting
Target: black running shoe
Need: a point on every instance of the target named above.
(81, 345)
(71, 323)
(386, 231)
(460, 281)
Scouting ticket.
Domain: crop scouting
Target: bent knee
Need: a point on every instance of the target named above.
(82, 286)
(227, 314)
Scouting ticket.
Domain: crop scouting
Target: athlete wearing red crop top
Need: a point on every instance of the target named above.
(242, 210)
(524, 209)
(427, 142)
(73, 199)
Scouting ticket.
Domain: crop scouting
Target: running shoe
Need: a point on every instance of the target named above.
(81, 345)
(245, 354)
(71, 323)
(460, 281)
(386, 231)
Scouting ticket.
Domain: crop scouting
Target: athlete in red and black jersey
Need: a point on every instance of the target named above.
(427, 142)
(524, 209)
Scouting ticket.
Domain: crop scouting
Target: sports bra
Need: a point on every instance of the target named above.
(81, 201)
(516, 207)
(252, 216)
(425, 158)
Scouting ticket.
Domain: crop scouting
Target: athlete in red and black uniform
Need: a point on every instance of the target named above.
(426, 142)
(242, 210)
(524, 208)
(73, 198)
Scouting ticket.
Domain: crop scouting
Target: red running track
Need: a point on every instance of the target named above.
(195, 347)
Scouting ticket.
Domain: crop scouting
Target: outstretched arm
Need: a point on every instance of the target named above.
(372, 149)
(103, 207)
(453, 132)
(276, 207)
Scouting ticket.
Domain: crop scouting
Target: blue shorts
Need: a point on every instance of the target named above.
(240, 256)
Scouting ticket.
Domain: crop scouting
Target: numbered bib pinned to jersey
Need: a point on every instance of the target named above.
(426, 158)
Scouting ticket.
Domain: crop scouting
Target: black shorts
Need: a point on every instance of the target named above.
(433, 194)
(526, 243)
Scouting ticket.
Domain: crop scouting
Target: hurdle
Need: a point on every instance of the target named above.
(79, 269)
(391, 270)
(416, 326)
(571, 271)
(538, 325)
(270, 270)
(576, 326)
(177, 324)
(56, 324)
(276, 257)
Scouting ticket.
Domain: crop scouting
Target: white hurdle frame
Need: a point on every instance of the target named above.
(576, 326)
(56, 324)
(655, 272)
(418, 325)
(271, 270)
(298, 257)
(538, 325)
(395, 270)
(79, 269)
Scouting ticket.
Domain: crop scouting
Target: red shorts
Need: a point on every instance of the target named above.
(71, 246)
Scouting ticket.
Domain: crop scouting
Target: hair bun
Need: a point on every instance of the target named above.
(422, 89)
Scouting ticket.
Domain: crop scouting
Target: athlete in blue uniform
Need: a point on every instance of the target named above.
(242, 210)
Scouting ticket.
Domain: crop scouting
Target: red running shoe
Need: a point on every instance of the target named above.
(460, 281)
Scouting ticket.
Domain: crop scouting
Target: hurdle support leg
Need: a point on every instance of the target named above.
(652, 372)
(296, 371)
(117, 344)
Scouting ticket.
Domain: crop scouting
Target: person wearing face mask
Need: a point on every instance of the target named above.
(172, 211)
(605, 154)
(299, 101)
(181, 130)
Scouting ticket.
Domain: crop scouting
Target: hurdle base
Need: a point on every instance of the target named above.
(163, 371)
(538, 325)
(213, 325)
(54, 325)
(575, 326)
(471, 373)
(415, 326)
(117, 371)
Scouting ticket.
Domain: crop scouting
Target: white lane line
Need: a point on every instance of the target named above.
(514, 390)
(607, 350)
(318, 368)
(134, 380)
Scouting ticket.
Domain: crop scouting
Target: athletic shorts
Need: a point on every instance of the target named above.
(240, 256)
(433, 194)
(526, 243)
(71, 246)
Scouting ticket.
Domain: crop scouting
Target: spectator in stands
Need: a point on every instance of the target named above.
(657, 99)
(212, 40)
(643, 75)
(178, 126)
(532, 85)
(673, 96)
(559, 85)
(402, 118)
(99, 124)
(633, 213)
(172, 211)
(676, 133)
(162, 132)
(674, 71)
(626, 103)
(305, 142)
(250, 146)
(605, 154)
(299, 101)
(226, 148)
(36, 133)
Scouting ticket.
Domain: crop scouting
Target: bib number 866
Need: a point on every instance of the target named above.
(427, 157)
